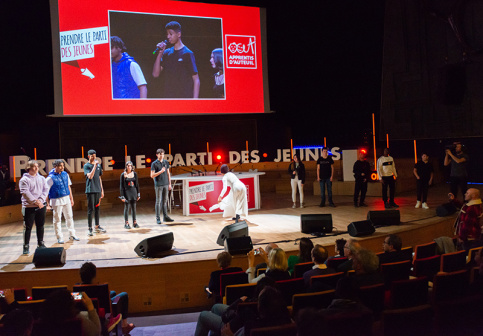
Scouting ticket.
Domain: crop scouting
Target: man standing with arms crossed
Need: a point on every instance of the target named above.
(60, 200)
(325, 174)
(162, 184)
(94, 190)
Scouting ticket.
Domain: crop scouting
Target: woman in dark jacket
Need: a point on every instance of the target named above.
(129, 186)
(297, 175)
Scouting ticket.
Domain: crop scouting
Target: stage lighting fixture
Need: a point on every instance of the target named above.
(265, 155)
(218, 157)
(113, 162)
(148, 160)
(363, 151)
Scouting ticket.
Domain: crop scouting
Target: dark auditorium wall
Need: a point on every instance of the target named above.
(430, 89)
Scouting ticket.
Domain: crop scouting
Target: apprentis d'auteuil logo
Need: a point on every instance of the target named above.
(241, 51)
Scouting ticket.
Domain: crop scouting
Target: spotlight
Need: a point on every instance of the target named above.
(113, 162)
(148, 160)
(265, 155)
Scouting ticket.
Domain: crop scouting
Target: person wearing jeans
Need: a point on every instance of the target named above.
(34, 192)
(325, 174)
(162, 184)
(94, 190)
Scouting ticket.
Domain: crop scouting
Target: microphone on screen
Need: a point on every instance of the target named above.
(158, 49)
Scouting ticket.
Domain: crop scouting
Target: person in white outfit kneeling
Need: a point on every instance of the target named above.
(235, 203)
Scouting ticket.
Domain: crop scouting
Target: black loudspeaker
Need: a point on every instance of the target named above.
(317, 223)
(384, 217)
(446, 209)
(361, 228)
(49, 256)
(239, 229)
(150, 247)
(238, 245)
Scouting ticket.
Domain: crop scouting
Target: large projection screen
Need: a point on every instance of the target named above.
(214, 61)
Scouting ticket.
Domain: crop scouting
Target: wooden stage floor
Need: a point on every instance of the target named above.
(195, 236)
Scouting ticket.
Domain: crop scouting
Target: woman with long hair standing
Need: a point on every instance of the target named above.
(129, 186)
(297, 175)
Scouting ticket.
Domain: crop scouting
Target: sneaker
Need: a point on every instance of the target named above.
(394, 205)
(60, 241)
(89, 233)
(302, 206)
(387, 205)
(74, 238)
(332, 205)
(168, 219)
(113, 321)
(425, 206)
(127, 226)
(158, 220)
(135, 225)
(356, 205)
(100, 229)
(26, 249)
(41, 245)
(418, 204)
(294, 206)
(363, 204)
(321, 205)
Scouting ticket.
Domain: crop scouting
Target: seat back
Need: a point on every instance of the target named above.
(100, 292)
(409, 293)
(318, 300)
(234, 278)
(41, 292)
(335, 262)
(261, 271)
(407, 252)
(234, 292)
(282, 330)
(71, 327)
(426, 267)
(448, 286)
(408, 321)
(395, 271)
(425, 250)
(470, 261)
(373, 297)
(300, 268)
(289, 288)
(454, 261)
(349, 323)
(20, 294)
(326, 279)
(33, 306)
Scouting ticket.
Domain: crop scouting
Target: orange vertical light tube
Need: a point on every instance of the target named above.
(387, 140)
(14, 177)
(247, 145)
(125, 150)
(415, 153)
(325, 142)
(35, 153)
(207, 148)
(82, 149)
(374, 141)
(291, 147)
(169, 149)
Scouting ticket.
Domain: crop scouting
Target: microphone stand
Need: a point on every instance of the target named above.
(217, 167)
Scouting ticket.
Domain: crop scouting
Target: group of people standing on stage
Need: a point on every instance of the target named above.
(386, 171)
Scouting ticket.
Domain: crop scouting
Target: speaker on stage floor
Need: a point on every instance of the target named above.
(49, 256)
(384, 217)
(361, 228)
(239, 229)
(238, 245)
(446, 209)
(316, 223)
(150, 247)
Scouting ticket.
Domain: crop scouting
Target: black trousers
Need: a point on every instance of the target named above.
(422, 190)
(93, 206)
(360, 187)
(388, 181)
(130, 205)
(31, 216)
(458, 183)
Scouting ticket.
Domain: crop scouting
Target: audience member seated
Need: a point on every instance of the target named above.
(88, 274)
(17, 323)
(319, 256)
(8, 302)
(268, 248)
(339, 249)
(392, 250)
(351, 247)
(222, 314)
(224, 261)
(60, 307)
(272, 311)
(305, 249)
(468, 229)
(366, 267)
(276, 265)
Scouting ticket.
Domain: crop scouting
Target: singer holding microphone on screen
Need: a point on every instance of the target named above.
(178, 65)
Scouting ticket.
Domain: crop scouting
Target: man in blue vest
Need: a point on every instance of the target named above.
(60, 200)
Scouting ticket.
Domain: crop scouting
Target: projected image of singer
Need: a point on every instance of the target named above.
(127, 77)
(216, 61)
(178, 65)
(235, 203)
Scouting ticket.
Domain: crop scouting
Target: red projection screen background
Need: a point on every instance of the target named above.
(84, 79)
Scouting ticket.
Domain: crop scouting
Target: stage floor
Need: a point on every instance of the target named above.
(195, 236)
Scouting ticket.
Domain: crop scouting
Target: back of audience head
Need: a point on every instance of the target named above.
(365, 261)
(277, 260)
(262, 283)
(18, 322)
(319, 254)
(270, 247)
(272, 305)
(58, 307)
(339, 246)
(88, 272)
(305, 250)
(224, 259)
(351, 248)
(392, 243)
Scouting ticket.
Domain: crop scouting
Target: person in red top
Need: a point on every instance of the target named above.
(467, 225)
